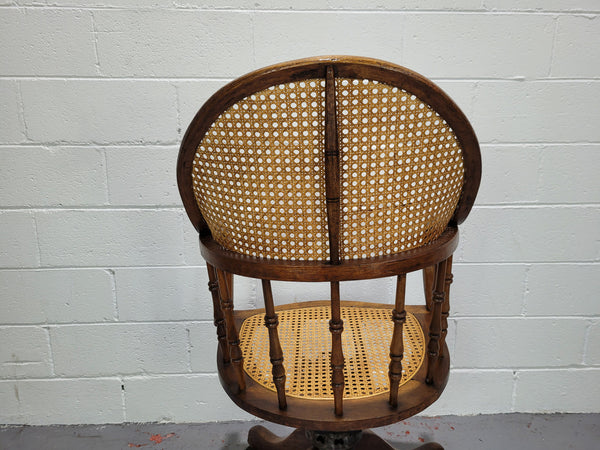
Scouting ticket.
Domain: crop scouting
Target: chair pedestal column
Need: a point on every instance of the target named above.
(334, 440)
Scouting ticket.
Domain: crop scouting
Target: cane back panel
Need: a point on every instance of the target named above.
(259, 172)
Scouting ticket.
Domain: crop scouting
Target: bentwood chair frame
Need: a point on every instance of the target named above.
(423, 131)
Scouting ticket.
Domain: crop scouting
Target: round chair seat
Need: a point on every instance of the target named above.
(306, 343)
(304, 329)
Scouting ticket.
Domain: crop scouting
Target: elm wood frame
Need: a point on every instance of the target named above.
(434, 258)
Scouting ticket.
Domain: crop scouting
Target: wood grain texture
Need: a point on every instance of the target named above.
(428, 285)
(435, 327)
(275, 352)
(336, 327)
(332, 168)
(446, 305)
(355, 269)
(397, 345)
(235, 353)
(219, 320)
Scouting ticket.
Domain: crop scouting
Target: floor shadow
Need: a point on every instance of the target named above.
(234, 441)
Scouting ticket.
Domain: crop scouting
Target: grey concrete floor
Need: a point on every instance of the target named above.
(493, 432)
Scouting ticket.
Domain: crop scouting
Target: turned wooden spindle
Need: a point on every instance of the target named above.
(332, 168)
(446, 304)
(336, 326)
(219, 321)
(435, 327)
(397, 345)
(428, 285)
(235, 352)
(275, 352)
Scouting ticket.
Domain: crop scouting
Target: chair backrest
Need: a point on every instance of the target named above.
(328, 159)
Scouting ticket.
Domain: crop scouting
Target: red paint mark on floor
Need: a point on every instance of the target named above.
(407, 432)
(452, 428)
(421, 440)
(136, 445)
(158, 438)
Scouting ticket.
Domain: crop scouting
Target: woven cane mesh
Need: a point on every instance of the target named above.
(258, 174)
(402, 169)
(306, 344)
(259, 178)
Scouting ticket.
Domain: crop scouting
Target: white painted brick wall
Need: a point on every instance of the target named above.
(18, 240)
(48, 183)
(592, 355)
(121, 348)
(171, 43)
(568, 390)
(104, 111)
(178, 398)
(59, 401)
(11, 120)
(106, 314)
(142, 176)
(57, 296)
(105, 237)
(28, 354)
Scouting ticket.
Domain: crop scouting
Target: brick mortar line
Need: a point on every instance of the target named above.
(517, 370)
(513, 399)
(183, 322)
(38, 208)
(113, 291)
(103, 147)
(95, 44)
(154, 376)
(525, 290)
(110, 323)
(137, 145)
(460, 11)
(586, 341)
(123, 399)
(50, 351)
(512, 79)
(116, 377)
(553, 46)
(177, 143)
(102, 268)
(522, 317)
(195, 266)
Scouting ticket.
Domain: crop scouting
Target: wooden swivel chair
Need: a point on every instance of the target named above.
(330, 169)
